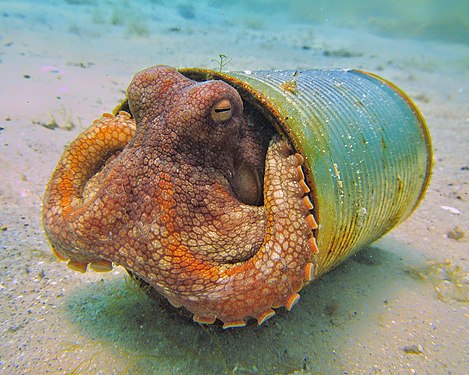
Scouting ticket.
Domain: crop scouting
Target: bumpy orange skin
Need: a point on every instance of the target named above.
(155, 193)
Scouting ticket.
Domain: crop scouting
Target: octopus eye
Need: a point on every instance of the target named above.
(221, 111)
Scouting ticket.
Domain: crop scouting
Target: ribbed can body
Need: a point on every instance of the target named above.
(367, 149)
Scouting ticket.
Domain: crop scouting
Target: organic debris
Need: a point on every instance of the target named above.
(450, 281)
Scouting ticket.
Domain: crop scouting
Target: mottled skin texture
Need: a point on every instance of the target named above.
(177, 195)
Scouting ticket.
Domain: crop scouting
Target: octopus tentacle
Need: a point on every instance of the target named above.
(67, 190)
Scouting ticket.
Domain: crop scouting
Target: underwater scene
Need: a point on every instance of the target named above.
(248, 187)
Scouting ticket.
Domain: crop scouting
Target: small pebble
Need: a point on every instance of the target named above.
(451, 209)
(413, 349)
(455, 234)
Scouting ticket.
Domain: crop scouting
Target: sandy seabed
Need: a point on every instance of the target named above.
(398, 307)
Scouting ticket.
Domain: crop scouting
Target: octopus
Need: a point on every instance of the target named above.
(189, 193)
